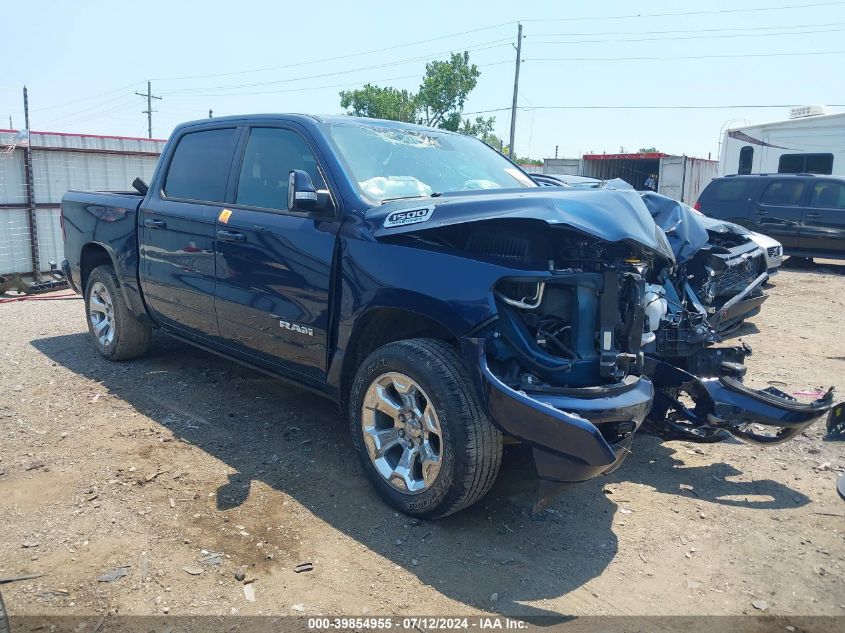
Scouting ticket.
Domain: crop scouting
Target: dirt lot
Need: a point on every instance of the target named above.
(157, 464)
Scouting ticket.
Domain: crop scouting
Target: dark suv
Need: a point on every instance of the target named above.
(804, 212)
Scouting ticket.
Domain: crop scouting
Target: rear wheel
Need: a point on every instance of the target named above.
(116, 333)
(419, 430)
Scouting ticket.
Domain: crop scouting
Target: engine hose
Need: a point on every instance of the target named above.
(520, 343)
(563, 349)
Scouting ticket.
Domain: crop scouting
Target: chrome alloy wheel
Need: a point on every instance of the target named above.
(402, 433)
(101, 313)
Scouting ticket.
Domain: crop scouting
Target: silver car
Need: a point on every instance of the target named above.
(772, 248)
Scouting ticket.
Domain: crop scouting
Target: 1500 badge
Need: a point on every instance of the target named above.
(411, 216)
(293, 327)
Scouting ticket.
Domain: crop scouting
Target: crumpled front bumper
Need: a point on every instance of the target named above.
(575, 434)
(724, 403)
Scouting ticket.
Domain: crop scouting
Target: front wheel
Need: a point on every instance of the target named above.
(419, 431)
(117, 334)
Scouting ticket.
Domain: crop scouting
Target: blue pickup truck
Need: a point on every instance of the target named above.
(419, 279)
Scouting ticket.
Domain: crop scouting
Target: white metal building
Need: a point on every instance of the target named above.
(59, 162)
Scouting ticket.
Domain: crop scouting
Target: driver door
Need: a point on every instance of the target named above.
(273, 266)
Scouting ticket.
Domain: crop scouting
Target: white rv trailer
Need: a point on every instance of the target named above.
(810, 141)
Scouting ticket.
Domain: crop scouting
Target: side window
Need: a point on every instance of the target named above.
(270, 155)
(828, 195)
(805, 164)
(729, 190)
(785, 193)
(200, 165)
(746, 159)
(819, 164)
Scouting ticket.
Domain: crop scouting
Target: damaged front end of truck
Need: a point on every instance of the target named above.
(559, 364)
(595, 328)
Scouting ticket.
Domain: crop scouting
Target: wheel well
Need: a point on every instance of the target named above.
(380, 327)
(93, 255)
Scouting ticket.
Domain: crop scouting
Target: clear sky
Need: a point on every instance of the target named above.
(83, 61)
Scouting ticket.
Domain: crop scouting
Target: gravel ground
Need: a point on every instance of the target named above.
(182, 470)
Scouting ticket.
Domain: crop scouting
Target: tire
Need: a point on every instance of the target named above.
(467, 446)
(122, 336)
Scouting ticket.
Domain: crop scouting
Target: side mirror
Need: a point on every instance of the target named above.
(302, 195)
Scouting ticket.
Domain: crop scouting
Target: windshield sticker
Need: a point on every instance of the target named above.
(412, 216)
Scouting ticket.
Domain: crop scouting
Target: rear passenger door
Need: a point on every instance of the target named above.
(177, 231)
(823, 226)
(779, 210)
(273, 265)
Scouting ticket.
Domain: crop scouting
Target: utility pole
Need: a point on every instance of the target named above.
(149, 111)
(511, 153)
(30, 191)
(11, 127)
(556, 151)
(210, 113)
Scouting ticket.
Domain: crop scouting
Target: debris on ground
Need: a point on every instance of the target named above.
(11, 579)
(303, 567)
(115, 574)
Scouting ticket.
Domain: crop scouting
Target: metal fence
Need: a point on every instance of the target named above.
(30, 232)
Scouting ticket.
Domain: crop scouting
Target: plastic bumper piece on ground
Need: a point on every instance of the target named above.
(734, 402)
(575, 435)
(726, 403)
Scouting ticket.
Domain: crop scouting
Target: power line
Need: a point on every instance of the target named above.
(93, 115)
(683, 13)
(88, 98)
(674, 57)
(648, 107)
(346, 56)
(320, 76)
(323, 87)
(97, 106)
(751, 28)
(688, 37)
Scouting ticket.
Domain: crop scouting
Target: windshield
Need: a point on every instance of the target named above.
(388, 163)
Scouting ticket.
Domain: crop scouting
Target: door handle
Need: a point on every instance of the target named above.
(155, 224)
(231, 236)
(813, 216)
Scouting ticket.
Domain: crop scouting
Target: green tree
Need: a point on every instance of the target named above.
(444, 90)
(439, 102)
(380, 103)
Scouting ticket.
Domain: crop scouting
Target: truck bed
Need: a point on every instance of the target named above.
(105, 220)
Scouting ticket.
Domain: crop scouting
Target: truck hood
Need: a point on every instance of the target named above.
(608, 214)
